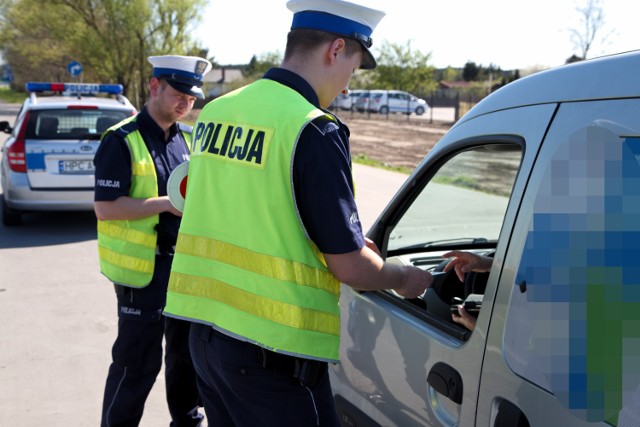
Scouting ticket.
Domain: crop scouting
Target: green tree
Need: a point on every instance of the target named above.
(470, 71)
(260, 64)
(403, 68)
(111, 38)
(33, 50)
(450, 74)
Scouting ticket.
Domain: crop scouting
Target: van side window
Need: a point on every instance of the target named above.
(464, 201)
(462, 207)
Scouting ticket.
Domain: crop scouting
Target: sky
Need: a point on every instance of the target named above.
(511, 34)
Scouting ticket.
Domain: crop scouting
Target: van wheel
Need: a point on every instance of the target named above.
(420, 111)
(384, 110)
(10, 217)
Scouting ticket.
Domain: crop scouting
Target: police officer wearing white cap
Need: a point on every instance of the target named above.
(270, 229)
(137, 230)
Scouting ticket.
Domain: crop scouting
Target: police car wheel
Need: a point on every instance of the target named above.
(10, 217)
(419, 111)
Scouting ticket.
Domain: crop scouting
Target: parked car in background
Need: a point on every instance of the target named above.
(541, 176)
(391, 101)
(347, 102)
(47, 161)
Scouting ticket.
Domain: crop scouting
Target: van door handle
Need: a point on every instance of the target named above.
(446, 381)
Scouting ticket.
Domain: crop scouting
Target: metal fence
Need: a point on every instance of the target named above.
(444, 106)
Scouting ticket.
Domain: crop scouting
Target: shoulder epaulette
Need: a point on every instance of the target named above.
(332, 117)
(127, 128)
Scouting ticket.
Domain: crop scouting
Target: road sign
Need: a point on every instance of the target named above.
(75, 68)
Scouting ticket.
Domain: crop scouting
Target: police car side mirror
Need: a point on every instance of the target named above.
(4, 127)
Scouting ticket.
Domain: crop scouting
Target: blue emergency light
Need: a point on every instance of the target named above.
(74, 88)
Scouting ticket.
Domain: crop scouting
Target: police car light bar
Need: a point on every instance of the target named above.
(74, 88)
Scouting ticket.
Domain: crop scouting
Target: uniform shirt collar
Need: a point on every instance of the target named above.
(295, 82)
(151, 127)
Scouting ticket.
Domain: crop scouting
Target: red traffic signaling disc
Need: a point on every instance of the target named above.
(177, 186)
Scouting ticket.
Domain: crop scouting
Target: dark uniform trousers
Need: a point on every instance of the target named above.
(245, 385)
(137, 356)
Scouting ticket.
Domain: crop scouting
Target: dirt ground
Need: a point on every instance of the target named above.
(402, 143)
(394, 141)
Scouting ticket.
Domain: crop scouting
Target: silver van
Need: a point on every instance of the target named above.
(390, 101)
(542, 176)
(348, 101)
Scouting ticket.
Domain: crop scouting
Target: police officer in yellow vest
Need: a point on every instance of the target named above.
(137, 231)
(270, 228)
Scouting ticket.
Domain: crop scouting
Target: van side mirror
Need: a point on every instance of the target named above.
(4, 127)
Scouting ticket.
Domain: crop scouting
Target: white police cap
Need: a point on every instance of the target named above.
(183, 73)
(339, 17)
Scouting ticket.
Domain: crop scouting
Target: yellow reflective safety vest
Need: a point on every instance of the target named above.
(244, 263)
(127, 248)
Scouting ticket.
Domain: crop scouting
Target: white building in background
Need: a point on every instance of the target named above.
(216, 81)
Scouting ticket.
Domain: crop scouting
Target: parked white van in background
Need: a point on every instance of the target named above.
(348, 101)
(543, 176)
(391, 101)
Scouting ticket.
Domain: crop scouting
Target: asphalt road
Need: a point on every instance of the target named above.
(58, 313)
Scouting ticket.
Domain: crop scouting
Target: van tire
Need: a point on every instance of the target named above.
(10, 217)
(384, 110)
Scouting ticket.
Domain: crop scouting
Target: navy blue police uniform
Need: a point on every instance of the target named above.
(137, 351)
(324, 196)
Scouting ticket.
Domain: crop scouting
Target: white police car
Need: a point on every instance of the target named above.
(47, 161)
(543, 176)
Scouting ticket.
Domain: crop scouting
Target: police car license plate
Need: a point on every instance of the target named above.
(75, 166)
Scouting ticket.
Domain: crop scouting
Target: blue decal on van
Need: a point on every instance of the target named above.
(582, 255)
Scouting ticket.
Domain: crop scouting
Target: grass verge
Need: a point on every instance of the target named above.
(363, 159)
(11, 96)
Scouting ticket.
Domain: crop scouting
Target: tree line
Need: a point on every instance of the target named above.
(110, 38)
(113, 38)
